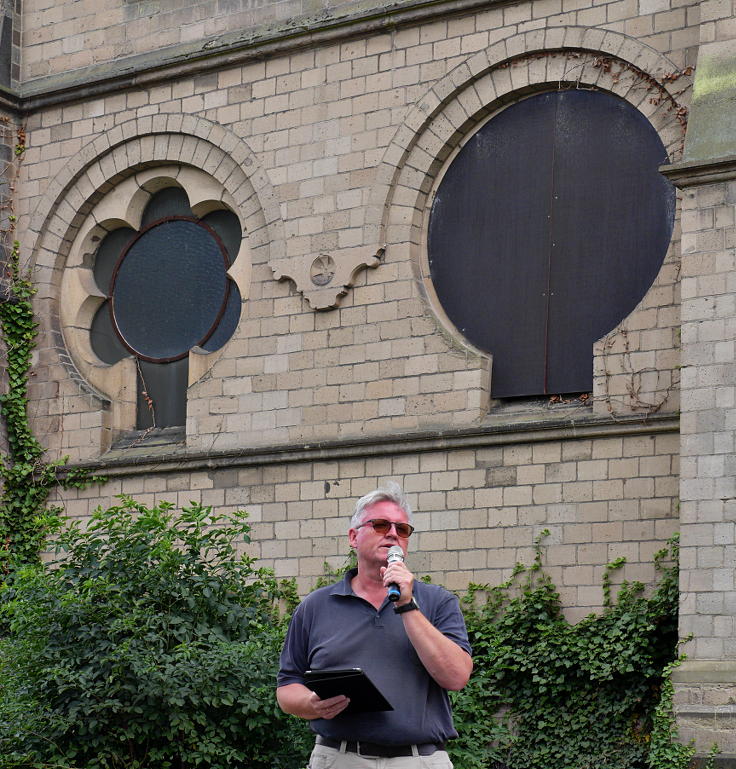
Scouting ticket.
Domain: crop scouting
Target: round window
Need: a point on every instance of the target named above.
(549, 226)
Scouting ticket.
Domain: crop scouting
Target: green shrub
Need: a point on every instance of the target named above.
(151, 644)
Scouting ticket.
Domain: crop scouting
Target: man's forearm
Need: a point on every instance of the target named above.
(448, 664)
(296, 700)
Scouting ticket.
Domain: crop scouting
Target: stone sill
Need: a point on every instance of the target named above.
(705, 672)
(698, 711)
(143, 459)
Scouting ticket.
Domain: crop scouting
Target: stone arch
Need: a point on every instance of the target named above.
(200, 155)
(476, 89)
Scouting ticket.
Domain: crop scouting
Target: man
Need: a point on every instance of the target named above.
(413, 650)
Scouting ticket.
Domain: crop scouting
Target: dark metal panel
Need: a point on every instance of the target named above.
(227, 226)
(488, 235)
(171, 201)
(162, 393)
(170, 289)
(108, 254)
(105, 341)
(547, 229)
(612, 215)
(229, 321)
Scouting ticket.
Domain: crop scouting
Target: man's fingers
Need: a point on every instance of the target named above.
(330, 711)
(330, 707)
(340, 707)
(398, 573)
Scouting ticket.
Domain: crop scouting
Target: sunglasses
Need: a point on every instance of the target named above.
(382, 526)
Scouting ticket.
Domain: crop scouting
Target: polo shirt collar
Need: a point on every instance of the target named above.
(344, 586)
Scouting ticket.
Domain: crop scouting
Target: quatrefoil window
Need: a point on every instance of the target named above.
(166, 291)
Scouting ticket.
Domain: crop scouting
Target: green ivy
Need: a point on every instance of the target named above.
(582, 696)
(665, 750)
(26, 478)
(546, 694)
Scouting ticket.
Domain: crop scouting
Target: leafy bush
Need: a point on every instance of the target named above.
(575, 696)
(150, 645)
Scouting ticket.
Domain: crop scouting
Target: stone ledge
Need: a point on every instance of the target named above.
(143, 459)
(696, 173)
(705, 672)
(715, 762)
(9, 101)
(700, 711)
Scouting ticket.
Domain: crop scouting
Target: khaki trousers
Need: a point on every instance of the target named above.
(333, 758)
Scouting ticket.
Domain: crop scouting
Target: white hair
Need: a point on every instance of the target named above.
(389, 492)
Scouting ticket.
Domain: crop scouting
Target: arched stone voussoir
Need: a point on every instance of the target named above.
(98, 165)
(518, 64)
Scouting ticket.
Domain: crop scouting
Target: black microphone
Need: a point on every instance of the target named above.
(395, 553)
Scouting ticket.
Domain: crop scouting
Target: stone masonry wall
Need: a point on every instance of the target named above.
(477, 511)
(708, 490)
(325, 125)
(311, 136)
(60, 36)
(66, 35)
(316, 128)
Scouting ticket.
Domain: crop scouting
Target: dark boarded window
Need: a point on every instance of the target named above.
(548, 228)
(6, 48)
(167, 291)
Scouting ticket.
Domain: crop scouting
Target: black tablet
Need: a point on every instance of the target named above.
(353, 683)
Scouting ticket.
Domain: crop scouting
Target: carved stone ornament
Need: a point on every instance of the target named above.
(327, 277)
(323, 270)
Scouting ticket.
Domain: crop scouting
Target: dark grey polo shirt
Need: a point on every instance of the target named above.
(334, 628)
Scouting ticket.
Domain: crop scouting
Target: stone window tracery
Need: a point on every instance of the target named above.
(153, 291)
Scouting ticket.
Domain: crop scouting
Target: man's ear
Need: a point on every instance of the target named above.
(352, 536)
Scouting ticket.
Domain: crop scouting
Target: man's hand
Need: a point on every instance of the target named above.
(399, 573)
(300, 701)
(328, 708)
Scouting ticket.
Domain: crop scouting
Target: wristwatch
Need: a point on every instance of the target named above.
(407, 606)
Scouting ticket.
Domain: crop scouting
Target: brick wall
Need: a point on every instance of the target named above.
(64, 35)
(69, 35)
(708, 470)
(329, 140)
(318, 124)
(477, 510)
(316, 133)
(705, 686)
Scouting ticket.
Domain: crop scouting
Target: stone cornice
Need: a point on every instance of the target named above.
(232, 49)
(144, 460)
(696, 173)
(9, 101)
(705, 671)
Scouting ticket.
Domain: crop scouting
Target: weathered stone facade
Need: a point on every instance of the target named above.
(325, 127)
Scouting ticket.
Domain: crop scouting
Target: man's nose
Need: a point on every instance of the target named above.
(392, 530)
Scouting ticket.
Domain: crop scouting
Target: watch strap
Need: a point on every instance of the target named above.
(406, 607)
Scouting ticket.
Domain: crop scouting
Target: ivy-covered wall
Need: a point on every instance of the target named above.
(8, 139)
